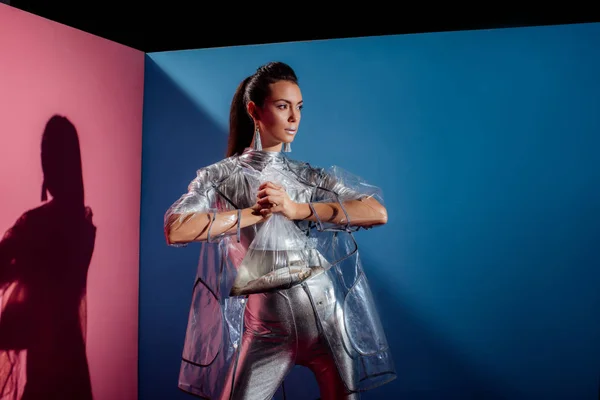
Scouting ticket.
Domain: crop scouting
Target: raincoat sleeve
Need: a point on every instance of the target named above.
(336, 185)
(203, 200)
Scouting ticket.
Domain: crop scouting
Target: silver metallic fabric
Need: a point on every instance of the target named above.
(282, 330)
(220, 324)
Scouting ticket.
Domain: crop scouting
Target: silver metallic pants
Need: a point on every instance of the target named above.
(282, 331)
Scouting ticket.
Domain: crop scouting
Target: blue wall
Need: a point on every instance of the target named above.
(486, 146)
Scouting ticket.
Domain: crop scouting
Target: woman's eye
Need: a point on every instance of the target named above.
(282, 106)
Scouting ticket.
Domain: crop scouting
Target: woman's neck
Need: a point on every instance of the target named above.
(268, 147)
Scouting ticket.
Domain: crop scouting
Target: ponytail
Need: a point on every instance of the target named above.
(241, 126)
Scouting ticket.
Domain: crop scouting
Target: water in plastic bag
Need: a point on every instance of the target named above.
(281, 255)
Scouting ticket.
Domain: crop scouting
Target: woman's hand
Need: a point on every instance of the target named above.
(274, 199)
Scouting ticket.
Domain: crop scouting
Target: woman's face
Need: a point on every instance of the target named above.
(279, 117)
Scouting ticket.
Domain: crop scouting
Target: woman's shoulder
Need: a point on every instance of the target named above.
(219, 170)
(300, 164)
(306, 170)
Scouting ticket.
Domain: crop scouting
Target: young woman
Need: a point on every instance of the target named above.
(242, 341)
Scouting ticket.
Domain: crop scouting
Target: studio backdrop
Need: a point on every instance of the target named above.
(485, 145)
(70, 166)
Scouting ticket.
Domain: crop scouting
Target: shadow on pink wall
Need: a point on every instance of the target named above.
(68, 283)
(44, 261)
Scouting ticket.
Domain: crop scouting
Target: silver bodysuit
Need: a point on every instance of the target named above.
(282, 330)
(241, 346)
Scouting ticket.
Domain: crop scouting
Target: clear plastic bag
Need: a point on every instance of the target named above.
(281, 255)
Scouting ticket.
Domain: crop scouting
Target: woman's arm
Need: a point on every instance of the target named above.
(367, 212)
(194, 227)
(198, 215)
(363, 211)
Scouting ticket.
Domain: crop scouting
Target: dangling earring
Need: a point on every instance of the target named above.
(257, 142)
(287, 147)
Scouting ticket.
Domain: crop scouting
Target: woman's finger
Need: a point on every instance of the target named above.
(266, 212)
(263, 201)
(267, 192)
(276, 200)
(269, 184)
(276, 188)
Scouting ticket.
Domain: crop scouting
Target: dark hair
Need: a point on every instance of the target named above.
(254, 88)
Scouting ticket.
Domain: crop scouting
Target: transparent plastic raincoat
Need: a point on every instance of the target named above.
(228, 269)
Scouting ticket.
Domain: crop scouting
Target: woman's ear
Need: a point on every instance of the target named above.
(253, 110)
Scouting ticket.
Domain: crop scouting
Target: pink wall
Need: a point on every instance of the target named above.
(47, 68)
